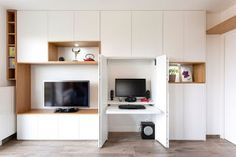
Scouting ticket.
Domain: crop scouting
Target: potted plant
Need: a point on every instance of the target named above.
(172, 74)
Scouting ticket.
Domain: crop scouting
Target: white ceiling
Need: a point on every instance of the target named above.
(209, 5)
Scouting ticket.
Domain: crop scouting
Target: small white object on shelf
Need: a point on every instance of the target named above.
(148, 110)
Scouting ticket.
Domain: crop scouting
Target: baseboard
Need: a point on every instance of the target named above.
(9, 138)
(212, 136)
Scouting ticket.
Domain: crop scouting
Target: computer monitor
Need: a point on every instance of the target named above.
(130, 87)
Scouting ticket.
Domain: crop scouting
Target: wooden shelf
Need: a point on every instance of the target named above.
(51, 111)
(61, 63)
(198, 72)
(223, 27)
(149, 110)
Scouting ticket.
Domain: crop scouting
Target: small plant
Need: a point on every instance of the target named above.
(173, 71)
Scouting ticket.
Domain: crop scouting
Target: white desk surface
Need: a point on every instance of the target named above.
(149, 110)
(115, 102)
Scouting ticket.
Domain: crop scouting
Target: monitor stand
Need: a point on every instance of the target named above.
(131, 99)
(66, 110)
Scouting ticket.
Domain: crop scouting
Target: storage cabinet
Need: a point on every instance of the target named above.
(57, 126)
(187, 112)
(173, 35)
(194, 35)
(146, 33)
(86, 26)
(61, 26)
(116, 33)
(32, 36)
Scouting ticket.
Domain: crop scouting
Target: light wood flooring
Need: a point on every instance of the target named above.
(125, 145)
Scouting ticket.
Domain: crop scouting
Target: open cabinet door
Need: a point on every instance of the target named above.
(103, 128)
(160, 95)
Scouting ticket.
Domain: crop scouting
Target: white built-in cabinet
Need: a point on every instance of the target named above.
(86, 26)
(7, 112)
(173, 35)
(116, 33)
(187, 111)
(147, 33)
(185, 35)
(194, 35)
(32, 44)
(60, 26)
(57, 127)
(230, 86)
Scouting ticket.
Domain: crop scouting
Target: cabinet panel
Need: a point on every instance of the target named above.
(194, 35)
(61, 26)
(68, 127)
(88, 127)
(47, 127)
(32, 36)
(176, 99)
(173, 35)
(194, 112)
(116, 33)
(146, 33)
(27, 127)
(87, 26)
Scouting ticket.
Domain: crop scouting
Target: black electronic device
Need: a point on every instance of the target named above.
(66, 94)
(132, 107)
(66, 110)
(130, 88)
(148, 94)
(131, 99)
(147, 130)
(111, 94)
(61, 59)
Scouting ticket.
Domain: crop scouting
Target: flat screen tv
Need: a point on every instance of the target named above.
(66, 94)
(130, 87)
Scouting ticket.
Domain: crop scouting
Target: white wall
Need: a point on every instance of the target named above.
(215, 84)
(128, 69)
(41, 73)
(3, 80)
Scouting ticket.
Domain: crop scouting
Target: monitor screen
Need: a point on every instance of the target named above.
(130, 87)
(66, 94)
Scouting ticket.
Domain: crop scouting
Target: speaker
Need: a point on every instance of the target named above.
(111, 94)
(148, 94)
(147, 130)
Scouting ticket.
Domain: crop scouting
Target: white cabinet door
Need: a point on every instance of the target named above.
(173, 35)
(146, 33)
(116, 33)
(68, 127)
(47, 127)
(194, 112)
(27, 127)
(88, 127)
(160, 95)
(194, 35)
(32, 43)
(60, 26)
(230, 86)
(176, 111)
(87, 26)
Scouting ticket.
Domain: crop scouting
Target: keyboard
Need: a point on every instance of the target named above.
(132, 107)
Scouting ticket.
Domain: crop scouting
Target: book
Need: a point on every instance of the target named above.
(186, 73)
(12, 52)
(12, 63)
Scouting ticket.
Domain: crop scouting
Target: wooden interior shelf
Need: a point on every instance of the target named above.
(198, 72)
(61, 63)
(223, 27)
(51, 111)
(11, 44)
(53, 47)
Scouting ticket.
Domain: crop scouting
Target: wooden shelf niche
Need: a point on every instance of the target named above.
(198, 71)
(11, 44)
(53, 47)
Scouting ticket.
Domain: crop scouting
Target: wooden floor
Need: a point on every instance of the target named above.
(118, 146)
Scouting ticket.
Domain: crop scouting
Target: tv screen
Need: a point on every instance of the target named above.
(130, 87)
(66, 94)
